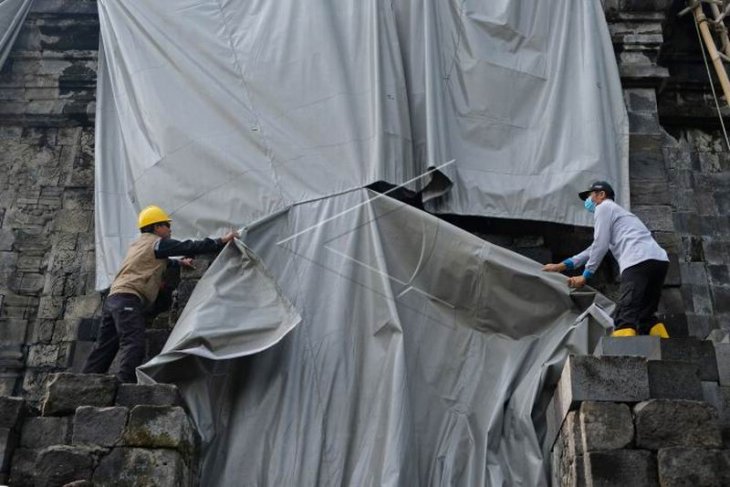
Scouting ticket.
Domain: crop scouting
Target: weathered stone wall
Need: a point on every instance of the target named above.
(698, 168)
(679, 177)
(47, 102)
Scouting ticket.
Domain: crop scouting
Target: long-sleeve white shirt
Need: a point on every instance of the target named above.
(621, 232)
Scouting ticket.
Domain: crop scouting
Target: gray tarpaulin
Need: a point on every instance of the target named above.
(350, 341)
(227, 111)
(419, 358)
(12, 15)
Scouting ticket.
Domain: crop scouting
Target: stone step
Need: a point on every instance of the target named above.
(691, 350)
(628, 379)
(588, 378)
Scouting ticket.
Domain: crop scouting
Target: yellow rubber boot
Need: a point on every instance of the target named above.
(659, 330)
(624, 332)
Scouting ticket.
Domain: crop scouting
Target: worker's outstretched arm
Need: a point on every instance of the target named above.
(169, 247)
(569, 264)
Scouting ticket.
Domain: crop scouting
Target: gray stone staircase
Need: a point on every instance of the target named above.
(91, 430)
(643, 411)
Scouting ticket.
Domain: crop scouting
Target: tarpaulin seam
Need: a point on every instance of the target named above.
(242, 79)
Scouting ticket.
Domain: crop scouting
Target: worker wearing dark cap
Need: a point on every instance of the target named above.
(642, 261)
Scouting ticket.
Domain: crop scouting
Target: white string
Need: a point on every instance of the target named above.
(712, 86)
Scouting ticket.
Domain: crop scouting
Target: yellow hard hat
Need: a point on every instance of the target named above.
(152, 214)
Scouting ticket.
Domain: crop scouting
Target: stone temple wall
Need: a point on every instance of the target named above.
(47, 102)
(679, 175)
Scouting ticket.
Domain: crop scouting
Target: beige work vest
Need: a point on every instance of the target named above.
(141, 272)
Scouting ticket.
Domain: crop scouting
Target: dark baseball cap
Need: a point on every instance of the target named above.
(598, 186)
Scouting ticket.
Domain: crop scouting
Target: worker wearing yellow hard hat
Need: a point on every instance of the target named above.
(151, 215)
(642, 261)
(136, 287)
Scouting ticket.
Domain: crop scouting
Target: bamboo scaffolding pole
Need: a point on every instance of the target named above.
(701, 20)
(720, 24)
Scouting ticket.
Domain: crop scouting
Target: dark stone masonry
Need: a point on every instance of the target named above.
(641, 411)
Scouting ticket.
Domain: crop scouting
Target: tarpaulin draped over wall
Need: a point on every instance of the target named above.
(419, 358)
(229, 111)
(12, 15)
(354, 341)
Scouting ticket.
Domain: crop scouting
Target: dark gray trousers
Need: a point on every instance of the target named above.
(122, 329)
(641, 289)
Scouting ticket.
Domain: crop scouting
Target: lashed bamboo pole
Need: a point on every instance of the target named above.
(721, 29)
(712, 50)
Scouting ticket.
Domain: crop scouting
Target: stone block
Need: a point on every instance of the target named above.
(698, 352)
(643, 124)
(33, 385)
(7, 239)
(82, 307)
(12, 331)
(656, 218)
(722, 355)
(672, 301)
(639, 346)
(30, 283)
(721, 298)
(65, 392)
(693, 467)
(62, 464)
(673, 277)
(567, 454)
(151, 394)
(719, 336)
(640, 100)
(8, 380)
(719, 398)
(8, 442)
(22, 470)
(605, 426)
(664, 423)
(674, 380)
(616, 379)
(11, 356)
(621, 468)
(586, 378)
(51, 355)
(715, 251)
(12, 410)
(698, 325)
(43, 432)
(719, 275)
(99, 426)
(50, 307)
(160, 427)
(130, 467)
(75, 221)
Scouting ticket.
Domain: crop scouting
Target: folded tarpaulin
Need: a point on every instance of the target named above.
(12, 15)
(226, 112)
(355, 340)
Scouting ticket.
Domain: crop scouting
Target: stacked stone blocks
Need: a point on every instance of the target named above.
(92, 429)
(641, 419)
